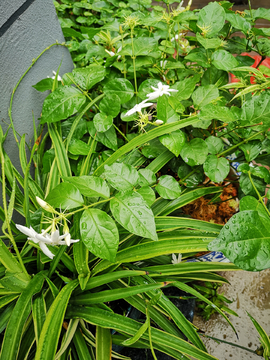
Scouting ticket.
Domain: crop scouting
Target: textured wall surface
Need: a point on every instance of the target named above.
(22, 38)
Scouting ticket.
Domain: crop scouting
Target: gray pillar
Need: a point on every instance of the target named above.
(27, 27)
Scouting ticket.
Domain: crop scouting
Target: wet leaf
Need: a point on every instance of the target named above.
(122, 177)
(194, 152)
(168, 187)
(216, 168)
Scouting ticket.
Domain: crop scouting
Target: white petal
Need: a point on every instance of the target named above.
(45, 250)
(67, 239)
(26, 231)
(55, 236)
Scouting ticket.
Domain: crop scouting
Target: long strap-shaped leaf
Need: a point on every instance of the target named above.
(172, 223)
(144, 138)
(39, 314)
(156, 248)
(60, 151)
(17, 320)
(103, 343)
(49, 336)
(188, 197)
(120, 323)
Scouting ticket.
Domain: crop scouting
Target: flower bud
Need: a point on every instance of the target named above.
(45, 205)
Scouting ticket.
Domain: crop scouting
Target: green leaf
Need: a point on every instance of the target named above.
(209, 43)
(44, 85)
(99, 233)
(110, 105)
(62, 103)
(262, 13)
(168, 187)
(256, 110)
(107, 138)
(133, 213)
(103, 343)
(213, 111)
(174, 141)
(148, 195)
(146, 177)
(194, 152)
(223, 60)
(39, 314)
(215, 144)
(238, 22)
(121, 87)
(199, 56)
(211, 18)
(78, 147)
(122, 177)
(247, 187)
(244, 240)
(203, 95)
(22, 309)
(264, 338)
(65, 195)
(51, 330)
(173, 223)
(87, 77)
(102, 122)
(251, 150)
(185, 88)
(216, 168)
(215, 77)
(142, 46)
(90, 186)
(250, 203)
(164, 110)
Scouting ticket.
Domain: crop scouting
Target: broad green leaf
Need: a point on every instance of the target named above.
(146, 87)
(211, 19)
(164, 110)
(62, 103)
(146, 177)
(247, 187)
(194, 152)
(99, 233)
(223, 60)
(133, 213)
(148, 195)
(215, 144)
(51, 330)
(251, 150)
(153, 149)
(199, 56)
(107, 138)
(261, 172)
(250, 203)
(102, 122)
(121, 176)
(238, 22)
(129, 326)
(209, 43)
(203, 95)
(168, 187)
(87, 77)
(185, 88)
(78, 147)
(262, 13)
(90, 186)
(214, 76)
(142, 46)
(212, 111)
(44, 85)
(244, 240)
(121, 87)
(174, 141)
(216, 168)
(110, 105)
(65, 196)
(256, 110)
(21, 311)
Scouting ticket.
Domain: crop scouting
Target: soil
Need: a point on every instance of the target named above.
(219, 213)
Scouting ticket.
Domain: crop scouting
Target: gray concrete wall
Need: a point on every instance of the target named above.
(26, 29)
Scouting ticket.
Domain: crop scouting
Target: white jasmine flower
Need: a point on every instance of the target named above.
(177, 36)
(56, 238)
(176, 260)
(158, 122)
(37, 238)
(138, 107)
(159, 91)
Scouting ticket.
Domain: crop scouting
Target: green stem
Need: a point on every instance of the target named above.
(188, 175)
(123, 57)
(250, 9)
(85, 207)
(18, 83)
(227, 342)
(258, 194)
(134, 63)
(120, 132)
(241, 143)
